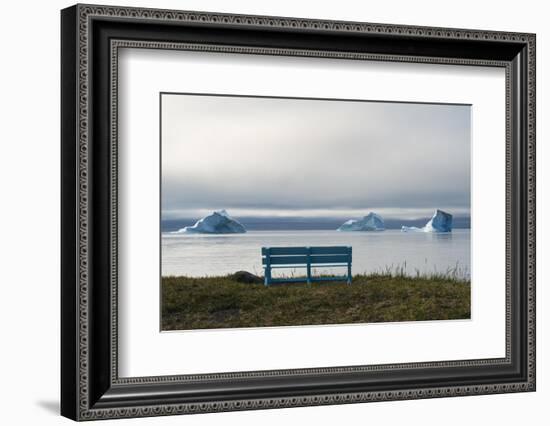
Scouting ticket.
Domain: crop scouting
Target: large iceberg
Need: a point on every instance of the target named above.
(371, 222)
(440, 222)
(218, 222)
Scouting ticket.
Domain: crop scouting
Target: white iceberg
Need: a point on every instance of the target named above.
(218, 222)
(371, 222)
(440, 222)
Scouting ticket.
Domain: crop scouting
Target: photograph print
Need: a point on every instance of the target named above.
(280, 211)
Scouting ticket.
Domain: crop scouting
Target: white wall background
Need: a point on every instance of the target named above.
(29, 215)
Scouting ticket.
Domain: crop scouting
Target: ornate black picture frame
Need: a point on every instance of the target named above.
(91, 36)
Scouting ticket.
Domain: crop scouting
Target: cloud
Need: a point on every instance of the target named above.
(285, 154)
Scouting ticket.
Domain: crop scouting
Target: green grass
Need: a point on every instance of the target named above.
(220, 302)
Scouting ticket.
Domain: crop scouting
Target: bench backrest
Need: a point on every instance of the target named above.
(305, 255)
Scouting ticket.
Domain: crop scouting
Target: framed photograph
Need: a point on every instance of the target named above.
(263, 212)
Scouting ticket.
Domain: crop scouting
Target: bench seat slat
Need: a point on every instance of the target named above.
(304, 279)
(289, 280)
(335, 278)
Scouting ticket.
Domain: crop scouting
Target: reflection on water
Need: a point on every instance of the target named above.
(415, 252)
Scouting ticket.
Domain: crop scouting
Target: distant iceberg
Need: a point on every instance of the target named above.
(440, 222)
(371, 222)
(218, 222)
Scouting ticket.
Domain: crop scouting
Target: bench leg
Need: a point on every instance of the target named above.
(267, 277)
(308, 267)
(349, 273)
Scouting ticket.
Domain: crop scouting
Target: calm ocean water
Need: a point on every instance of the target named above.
(209, 255)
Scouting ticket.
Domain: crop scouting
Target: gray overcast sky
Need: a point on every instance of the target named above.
(263, 156)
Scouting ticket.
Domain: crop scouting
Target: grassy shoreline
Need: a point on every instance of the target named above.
(221, 302)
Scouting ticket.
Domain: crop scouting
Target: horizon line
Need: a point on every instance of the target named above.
(318, 214)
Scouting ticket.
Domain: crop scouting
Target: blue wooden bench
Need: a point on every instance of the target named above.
(305, 257)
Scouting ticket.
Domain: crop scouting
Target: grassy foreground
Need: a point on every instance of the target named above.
(220, 302)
